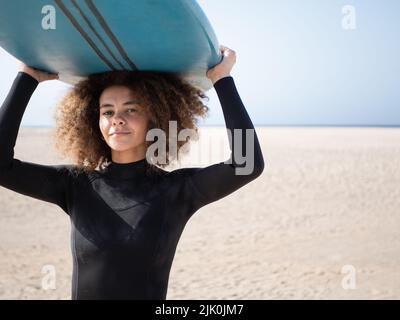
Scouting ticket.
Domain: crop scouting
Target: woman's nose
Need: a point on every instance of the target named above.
(118, 119)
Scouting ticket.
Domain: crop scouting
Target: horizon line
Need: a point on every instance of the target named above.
(268, 125)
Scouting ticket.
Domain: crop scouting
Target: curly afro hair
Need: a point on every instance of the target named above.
(165, 97)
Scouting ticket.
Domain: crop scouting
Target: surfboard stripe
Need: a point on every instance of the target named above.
(110, 34)
(84, 34)
(96, 33)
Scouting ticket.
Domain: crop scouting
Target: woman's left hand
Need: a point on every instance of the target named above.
(223, 69)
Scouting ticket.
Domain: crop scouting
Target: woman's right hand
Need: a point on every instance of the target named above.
(40, 76)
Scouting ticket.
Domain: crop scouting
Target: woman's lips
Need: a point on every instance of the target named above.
(120, 133)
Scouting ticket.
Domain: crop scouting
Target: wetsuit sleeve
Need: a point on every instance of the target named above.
(216, 181)
(47, 183)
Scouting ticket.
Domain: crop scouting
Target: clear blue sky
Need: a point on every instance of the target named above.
(296, 64)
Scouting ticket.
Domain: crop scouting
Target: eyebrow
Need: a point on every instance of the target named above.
(130, 102)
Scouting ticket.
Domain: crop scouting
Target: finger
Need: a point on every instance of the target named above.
(224, 48)
(50, 74)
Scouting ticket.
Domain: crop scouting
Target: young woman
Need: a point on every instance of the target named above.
(127, 214)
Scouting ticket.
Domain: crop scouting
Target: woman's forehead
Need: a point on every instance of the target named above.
(117, 92)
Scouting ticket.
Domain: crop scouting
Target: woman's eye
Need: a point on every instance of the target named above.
(107, 112)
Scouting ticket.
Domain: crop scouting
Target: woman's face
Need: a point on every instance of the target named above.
(121, 111)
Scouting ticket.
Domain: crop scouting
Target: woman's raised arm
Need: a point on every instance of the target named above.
(47, 183)
(205, 185)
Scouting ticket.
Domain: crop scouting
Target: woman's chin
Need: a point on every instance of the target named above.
(121, 146)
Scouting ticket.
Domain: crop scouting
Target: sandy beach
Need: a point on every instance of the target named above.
(322, 222)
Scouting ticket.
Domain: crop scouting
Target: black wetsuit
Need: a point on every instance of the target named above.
(125, 224)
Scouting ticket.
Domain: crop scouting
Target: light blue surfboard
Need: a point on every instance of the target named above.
(80, 37)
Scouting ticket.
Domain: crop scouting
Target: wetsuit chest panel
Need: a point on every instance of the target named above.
(113, 216)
